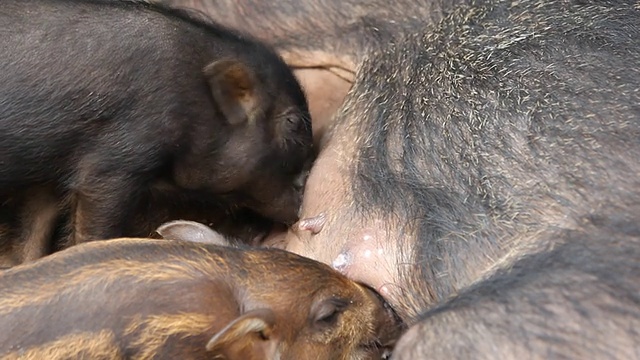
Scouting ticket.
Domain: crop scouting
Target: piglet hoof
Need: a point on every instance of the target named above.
(191, 231)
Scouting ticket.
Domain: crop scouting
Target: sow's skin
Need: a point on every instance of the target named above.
(103, 100)
(158, 299)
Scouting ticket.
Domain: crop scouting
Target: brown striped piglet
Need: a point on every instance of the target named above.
(158, 299)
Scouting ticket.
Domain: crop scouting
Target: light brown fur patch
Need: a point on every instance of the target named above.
(38, 216)
(77, 280)
(155, 330)
(95, 346)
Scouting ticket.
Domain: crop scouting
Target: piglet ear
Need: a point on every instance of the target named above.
(192, 231)
(247, 337)
(233, 87)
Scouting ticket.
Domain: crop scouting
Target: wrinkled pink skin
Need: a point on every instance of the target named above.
(362, 249)
(362, 256)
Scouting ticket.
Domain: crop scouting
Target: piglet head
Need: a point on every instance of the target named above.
(306, 311)
(352, 325)
(266, 153)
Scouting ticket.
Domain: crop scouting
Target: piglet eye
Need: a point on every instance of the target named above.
(291, 119)
(326, 312)
(328, 319)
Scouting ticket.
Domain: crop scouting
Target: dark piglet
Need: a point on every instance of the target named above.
(101, 99)
(143, 298)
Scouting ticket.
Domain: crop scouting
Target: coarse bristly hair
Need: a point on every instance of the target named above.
(503, 121)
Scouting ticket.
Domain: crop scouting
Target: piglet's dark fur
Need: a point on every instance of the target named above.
(99, 100)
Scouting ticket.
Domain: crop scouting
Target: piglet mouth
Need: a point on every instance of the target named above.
(390, 327)
(377, 348)
(395, 321)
